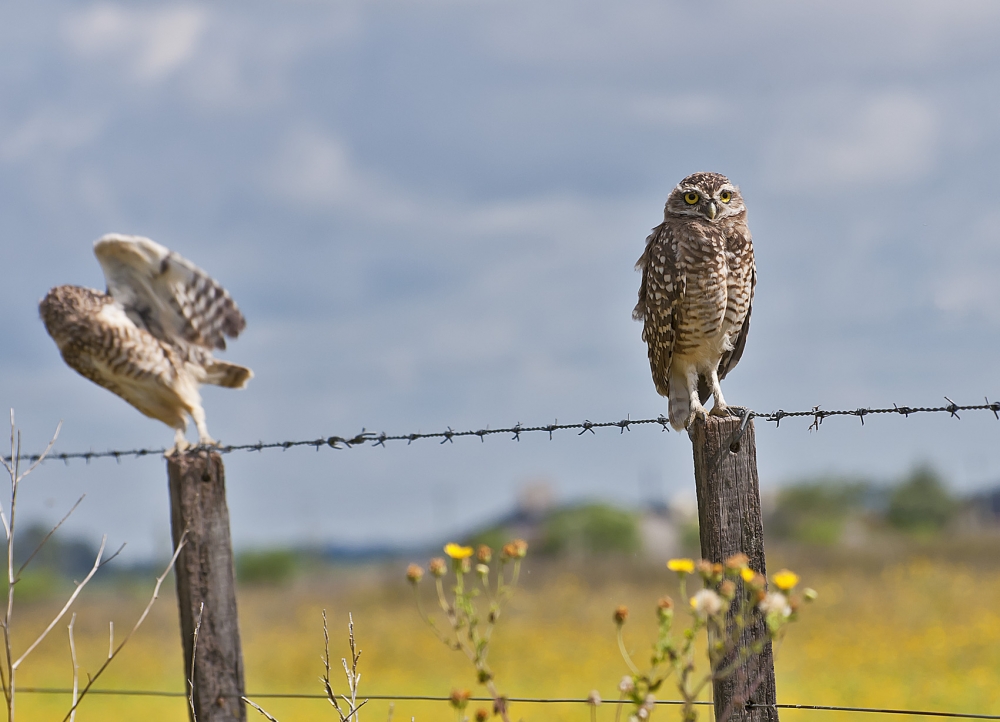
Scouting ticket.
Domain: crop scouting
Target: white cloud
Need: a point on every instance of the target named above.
(966, 269)
(889, 137)
(49, 130)
(971, 291)
(154, 42)
(314, 170)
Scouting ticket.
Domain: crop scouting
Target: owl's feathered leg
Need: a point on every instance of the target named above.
(204, 438)
(180, 442)
(719, 408)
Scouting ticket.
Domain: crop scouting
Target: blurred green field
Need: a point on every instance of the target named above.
(914, 633)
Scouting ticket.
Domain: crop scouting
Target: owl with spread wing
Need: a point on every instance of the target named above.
(150, 338)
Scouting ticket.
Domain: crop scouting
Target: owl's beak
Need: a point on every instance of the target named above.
(712, 210)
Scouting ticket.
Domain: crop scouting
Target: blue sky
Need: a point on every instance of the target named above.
(429, 213)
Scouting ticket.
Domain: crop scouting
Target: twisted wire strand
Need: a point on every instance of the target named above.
(524, 700)
(816, 413)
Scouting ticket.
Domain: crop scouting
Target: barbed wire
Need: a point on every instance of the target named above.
(365, 437)
(522, 700)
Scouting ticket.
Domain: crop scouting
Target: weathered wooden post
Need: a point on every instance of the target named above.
(205, 576)
(729, 520)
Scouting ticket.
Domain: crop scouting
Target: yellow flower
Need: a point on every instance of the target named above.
(681, 566)
(785, 580)
(457, 551)
(748, 574)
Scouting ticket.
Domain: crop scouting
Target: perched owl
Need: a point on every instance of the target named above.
(149, 339)
(698, 277)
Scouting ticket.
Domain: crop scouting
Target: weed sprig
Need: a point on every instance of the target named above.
(733, 598)
(472, 609)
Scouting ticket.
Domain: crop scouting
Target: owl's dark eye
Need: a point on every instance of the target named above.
(690, 198)
(725, 196)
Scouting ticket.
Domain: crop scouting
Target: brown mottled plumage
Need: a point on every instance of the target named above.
(698, 278)
(149, 339)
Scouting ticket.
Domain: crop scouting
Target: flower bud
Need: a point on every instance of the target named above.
(482, 570)
(414, 573)
(594, 698)
(499, 705)
(465, 565)
(484, 554)
(727, 589)
(809, 594)
(664, 609)
(437, 567)
(737, 562)
(482, 715)
(627, 685)
(459, 698)
(621, 614)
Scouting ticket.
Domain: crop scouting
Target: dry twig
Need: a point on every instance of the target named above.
(112, 653)
(194, 656)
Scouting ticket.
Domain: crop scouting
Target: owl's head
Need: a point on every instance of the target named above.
(709, 196)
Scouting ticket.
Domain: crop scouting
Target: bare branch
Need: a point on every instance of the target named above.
(142, 618)
(76, 667)
(194, 656)
(117, 552)
(47, 537)
(258, 708)
(41, 457)
(10, 467)
(69, 602)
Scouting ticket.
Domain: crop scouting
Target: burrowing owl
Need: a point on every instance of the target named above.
(149, 339)
(698, 277)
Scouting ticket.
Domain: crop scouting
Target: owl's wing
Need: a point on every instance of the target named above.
(660, 293)
(166, 294)
(731, 358)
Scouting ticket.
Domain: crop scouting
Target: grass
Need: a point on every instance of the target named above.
(910, 633)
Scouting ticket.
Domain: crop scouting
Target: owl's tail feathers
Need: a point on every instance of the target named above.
(227, 375)
(680, 403)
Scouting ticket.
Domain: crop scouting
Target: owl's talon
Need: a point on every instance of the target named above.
(180, 446)
(698, 412)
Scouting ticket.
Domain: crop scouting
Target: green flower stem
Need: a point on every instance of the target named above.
(618, 707)
(625, 655)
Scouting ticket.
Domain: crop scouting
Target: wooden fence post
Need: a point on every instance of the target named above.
(729, 520)
(205, 576)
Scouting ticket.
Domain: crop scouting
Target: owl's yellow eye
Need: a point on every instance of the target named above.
(690, 198)
(725, 196)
